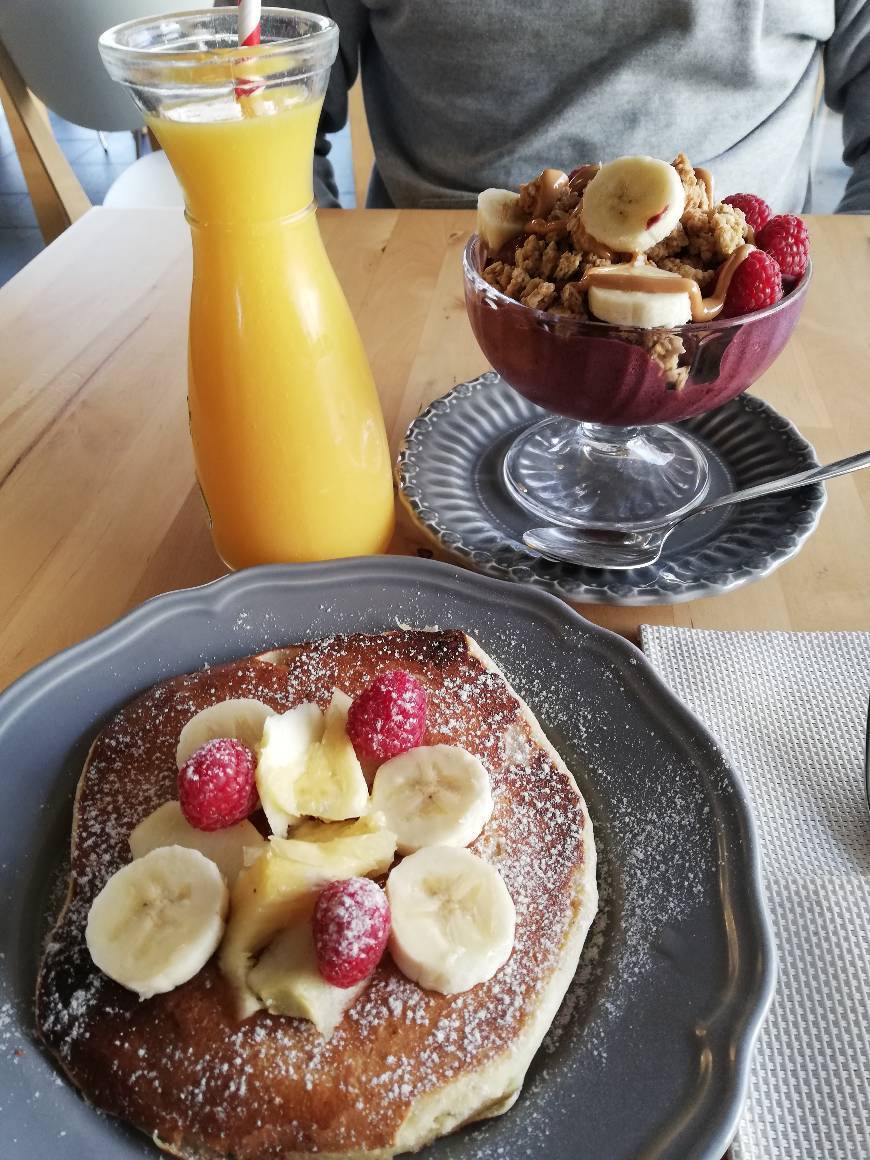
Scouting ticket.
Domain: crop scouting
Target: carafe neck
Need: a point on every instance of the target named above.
(242, 161)
(250, 226)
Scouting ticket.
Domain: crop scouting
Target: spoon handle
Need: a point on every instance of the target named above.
(787, 482)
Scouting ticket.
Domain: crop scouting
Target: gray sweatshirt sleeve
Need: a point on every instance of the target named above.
(847, 90)
(351, 16)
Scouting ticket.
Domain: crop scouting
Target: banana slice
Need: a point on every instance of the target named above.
(240, 717)
(283, 755)
(365, 841)
(433, 795)
(312, 830)
(287, 981)
(167, 826)
(453, 920)
(499, 217)
(333, 786)
(632, 203)
(158, 920)
(639, 307)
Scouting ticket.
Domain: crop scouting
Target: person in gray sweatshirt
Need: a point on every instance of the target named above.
(465, 94)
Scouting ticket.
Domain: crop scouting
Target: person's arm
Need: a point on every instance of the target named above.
(847, 90)
(351, 16)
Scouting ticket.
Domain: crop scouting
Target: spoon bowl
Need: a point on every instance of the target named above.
(595, 548)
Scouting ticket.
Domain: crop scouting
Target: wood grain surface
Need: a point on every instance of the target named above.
(97, 502)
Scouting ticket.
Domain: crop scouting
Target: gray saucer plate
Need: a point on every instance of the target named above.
(648, 1057)
(449, 474)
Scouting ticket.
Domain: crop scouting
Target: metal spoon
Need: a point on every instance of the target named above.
(602, 548)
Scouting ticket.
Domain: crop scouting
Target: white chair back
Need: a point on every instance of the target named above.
(53, 44)
(148, 183)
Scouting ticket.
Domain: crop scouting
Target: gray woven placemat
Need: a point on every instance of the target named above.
(790, 711)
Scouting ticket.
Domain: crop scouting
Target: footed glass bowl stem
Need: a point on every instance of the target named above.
(595, 476)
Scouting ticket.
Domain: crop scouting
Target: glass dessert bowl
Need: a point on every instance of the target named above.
(608, 457)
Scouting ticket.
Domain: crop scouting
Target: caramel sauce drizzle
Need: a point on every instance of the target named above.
(706, 177)
(582, 177)
(626, 276)
(558, 229)
(545, 229)
(552, 183)
(593, 246)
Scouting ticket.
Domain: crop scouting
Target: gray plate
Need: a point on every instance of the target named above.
(649, 1056)
(449, 473)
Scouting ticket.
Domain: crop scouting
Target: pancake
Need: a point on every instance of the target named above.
(405, 1065)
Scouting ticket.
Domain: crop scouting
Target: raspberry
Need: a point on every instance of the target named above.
(755, 209)
(756, 282)
(388, 717)
(351, 925)
(785, 238)
(216, 786)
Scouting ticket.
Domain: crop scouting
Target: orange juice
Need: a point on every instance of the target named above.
(291, 453)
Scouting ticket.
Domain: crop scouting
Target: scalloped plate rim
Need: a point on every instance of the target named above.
(220, 598)
(450, 541)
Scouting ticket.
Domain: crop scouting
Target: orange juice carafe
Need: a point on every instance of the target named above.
(288, 436)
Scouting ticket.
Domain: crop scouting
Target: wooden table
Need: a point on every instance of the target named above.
(97, 502)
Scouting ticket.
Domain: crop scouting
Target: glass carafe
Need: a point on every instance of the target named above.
(288, 436)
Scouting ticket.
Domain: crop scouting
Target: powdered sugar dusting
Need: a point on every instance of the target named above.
(179, 1058)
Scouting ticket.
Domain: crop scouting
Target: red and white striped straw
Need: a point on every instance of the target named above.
(249, 21)
(249, 34)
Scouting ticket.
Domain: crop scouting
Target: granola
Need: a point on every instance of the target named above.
(696, 189)
(538, 294)
(704, 278)
(667, 348)
(544, 266)
(715, 233)
(705, 236)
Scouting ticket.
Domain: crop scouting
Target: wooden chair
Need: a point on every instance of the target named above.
(58, 198)
(362, 153)
(48, 53)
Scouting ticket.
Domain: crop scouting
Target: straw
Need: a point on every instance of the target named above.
(249, 21)
(249, 34)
